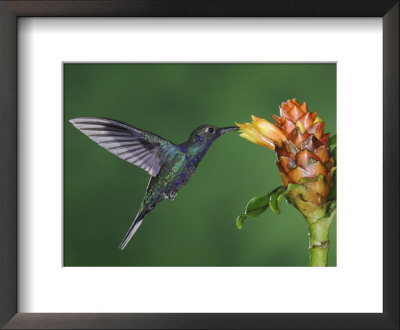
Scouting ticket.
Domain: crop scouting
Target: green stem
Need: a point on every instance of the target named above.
(319, 239)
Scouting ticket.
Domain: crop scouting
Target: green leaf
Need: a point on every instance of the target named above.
(332, 207)
(257, 205)
(333, 153)
(332, 193)
(239, 221)
(306, 180)
(254, 208)
(280, 199)
(332, 142)
(276, 198)
(332, 147)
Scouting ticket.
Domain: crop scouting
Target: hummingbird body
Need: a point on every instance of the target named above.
(171, 166)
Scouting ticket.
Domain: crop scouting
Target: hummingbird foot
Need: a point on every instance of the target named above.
(172, 195)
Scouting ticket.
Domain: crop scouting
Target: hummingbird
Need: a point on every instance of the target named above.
(170, 165)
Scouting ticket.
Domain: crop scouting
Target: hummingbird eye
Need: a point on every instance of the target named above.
(210, 130)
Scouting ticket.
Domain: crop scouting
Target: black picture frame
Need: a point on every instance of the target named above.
(9, 13)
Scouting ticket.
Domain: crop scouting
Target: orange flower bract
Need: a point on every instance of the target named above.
(301, 147)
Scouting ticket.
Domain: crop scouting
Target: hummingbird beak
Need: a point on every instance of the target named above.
(227, 129)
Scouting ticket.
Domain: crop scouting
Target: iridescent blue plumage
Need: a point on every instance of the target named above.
(171, 166)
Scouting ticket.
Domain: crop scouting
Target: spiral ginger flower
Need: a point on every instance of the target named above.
(304, 161)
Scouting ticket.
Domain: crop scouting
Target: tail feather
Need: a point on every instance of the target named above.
(133, 228)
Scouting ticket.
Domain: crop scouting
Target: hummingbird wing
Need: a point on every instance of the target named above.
(138, 147)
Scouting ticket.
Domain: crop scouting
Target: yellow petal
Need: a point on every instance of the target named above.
(256, 119)
(269, 130)
(267, 143)
(247, 137)
(257, 138)
(247, 128)
(318, 120)
(300, 126)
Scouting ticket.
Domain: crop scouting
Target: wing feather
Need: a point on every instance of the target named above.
(143, 149)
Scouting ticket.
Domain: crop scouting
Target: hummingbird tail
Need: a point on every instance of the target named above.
(132, 229)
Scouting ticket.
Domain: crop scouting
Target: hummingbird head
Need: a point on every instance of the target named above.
(206, 134)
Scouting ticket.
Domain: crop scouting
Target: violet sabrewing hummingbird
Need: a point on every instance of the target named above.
(170, 165)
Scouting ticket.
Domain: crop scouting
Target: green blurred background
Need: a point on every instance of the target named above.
(102, 193)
